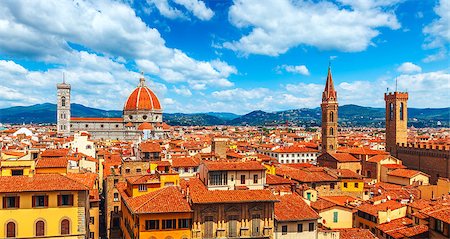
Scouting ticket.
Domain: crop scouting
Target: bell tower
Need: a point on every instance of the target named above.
(63, 108)
(329, 116)
(396, 120)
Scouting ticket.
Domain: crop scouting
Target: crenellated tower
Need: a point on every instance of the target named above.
(329, 116)
(396, 120)
(63, 108)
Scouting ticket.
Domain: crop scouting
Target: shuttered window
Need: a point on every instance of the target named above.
(11, 230)
(65, 226)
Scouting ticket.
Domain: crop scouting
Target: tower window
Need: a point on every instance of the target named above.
(391, 111)
(331, 131)
(331, 116)
(144, 117)
(401, 111)
(63, 101)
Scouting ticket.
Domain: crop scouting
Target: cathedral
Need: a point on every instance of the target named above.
(141, 118)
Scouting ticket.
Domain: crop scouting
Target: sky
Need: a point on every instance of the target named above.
(224, 55)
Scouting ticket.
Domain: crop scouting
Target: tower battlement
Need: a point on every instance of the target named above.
(396, 95)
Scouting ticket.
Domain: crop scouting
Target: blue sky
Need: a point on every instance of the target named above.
(226, 56)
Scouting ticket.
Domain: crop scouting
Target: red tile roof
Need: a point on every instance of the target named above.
(60, 162)
(305, 175)
(374, 209)
(344, 157)
(322, 204)
(179, 162)
(405, 173)
(87, 179)
(39, 183)
(150, 147)
(165, 200)
(200, 195)
(294, 149)
(356, 233)
(234, 166)
(55, 153)
(277, 180)
(291, 207)
(362, 151)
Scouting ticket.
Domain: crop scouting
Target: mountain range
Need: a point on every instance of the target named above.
(349, 115)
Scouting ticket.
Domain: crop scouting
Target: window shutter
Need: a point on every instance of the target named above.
(4, 202)
(33, 201)
(59, 200)
(71, 199)
(46, 200)
(17, 201)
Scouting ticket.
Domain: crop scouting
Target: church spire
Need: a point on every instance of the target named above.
(329, 92)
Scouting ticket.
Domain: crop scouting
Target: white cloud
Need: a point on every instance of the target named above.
(114, 35)
(409, 67)
(437, 33)
(301, 69)
(349, 26)
(182, 91)
(240, 94)
(196, 7)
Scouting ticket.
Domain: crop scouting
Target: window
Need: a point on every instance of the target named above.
(255, 178)
(391, 111)
(40, 201)
(11, 202)
(144, 117)
(335, 217)
(91, 235)
(401, 111)
(331, 116)
(63, 101)
(232, 225)
(40, 228)
(116, 209)
(101, 126)
(439, 226)
(65, 226)
(242, 179)
(17, 172)
(138, 170)
(312, 227)
(331, 131)
(151, 224)
(284, 230)
(91, 220)
(116, 181)
(184, 223)
(116, 197)
(356, 185)
(65, 200)
(218, 178)
(142, 188)
(332, 185)
(169, 224)
(86, 125)
(127, 170)
(300, 227)
(10, 229)
(345, 185)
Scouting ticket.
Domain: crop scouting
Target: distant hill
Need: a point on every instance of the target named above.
(349, 115)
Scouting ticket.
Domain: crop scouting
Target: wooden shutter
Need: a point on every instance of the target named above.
(4, 202)
(33, 201)
(71, 199)
(17, 202)
(46, 200)
(59, 200)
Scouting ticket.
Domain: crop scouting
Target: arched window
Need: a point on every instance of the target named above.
(40, 225)
(65, 225)
(10, 230)
(331, 116)
(401, 111)
(331, 131)
(63, 101)
(391, 111)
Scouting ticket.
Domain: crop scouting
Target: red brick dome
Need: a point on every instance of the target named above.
(142, 98)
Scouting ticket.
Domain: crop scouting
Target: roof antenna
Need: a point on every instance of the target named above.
(396, 82)
(64, 78)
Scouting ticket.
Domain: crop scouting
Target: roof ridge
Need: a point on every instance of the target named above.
(151, 198)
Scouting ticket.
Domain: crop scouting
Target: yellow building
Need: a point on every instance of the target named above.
(142, 184)
(50, 206)
(369, 216)
(158, 214)
(334, 212)
(408, 177)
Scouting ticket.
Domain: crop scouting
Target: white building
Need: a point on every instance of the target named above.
(294, 154)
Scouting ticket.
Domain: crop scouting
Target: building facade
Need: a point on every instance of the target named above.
(63, 108)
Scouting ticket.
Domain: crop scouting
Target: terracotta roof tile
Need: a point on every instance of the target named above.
(291, 207)
(405, 173)
(39, 183)
(238, 166)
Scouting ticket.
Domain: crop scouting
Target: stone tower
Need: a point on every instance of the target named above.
(63, 108)
(329, 116)
(396, 120)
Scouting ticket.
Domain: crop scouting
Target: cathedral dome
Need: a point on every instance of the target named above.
(142, 98)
